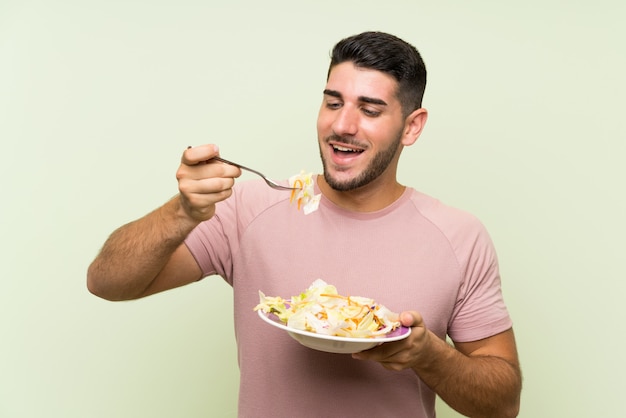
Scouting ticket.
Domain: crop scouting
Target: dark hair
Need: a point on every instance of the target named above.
(388, 54)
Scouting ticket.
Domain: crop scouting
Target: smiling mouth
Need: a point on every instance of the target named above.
(342, 149)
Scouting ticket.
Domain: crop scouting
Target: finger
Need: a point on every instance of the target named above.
(199, 154)
(198, 197)
(395, 367)
(411, 319)
(204, 185)
(380, 352)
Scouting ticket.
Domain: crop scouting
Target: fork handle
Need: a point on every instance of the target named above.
(243, 167)
(227, 162)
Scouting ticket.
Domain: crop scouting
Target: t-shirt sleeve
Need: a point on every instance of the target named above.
(203, 243)
(479, 310)
(215, 242)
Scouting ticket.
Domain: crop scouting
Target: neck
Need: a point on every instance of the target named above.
(370, 198)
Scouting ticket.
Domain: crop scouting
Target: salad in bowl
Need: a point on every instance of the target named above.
(321, 318)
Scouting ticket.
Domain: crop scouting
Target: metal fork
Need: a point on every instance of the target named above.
(269, 182)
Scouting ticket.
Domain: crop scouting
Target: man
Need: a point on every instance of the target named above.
(370, 236)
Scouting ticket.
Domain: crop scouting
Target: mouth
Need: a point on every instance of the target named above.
(345, 149)
(342, 149)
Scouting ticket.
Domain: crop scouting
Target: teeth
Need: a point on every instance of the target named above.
(344, 149)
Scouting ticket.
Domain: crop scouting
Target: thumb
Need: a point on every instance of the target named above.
(410, 319)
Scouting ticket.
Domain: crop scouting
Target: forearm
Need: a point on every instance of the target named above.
(134, 254)
(477, 386)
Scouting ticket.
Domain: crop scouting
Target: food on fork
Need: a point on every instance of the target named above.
(321, 309)
(304, 192)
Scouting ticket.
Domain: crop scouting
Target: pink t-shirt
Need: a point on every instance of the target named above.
(416, 254)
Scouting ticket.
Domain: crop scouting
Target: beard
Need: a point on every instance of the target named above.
(376, 167)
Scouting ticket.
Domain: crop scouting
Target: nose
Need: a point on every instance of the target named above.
(346, 122)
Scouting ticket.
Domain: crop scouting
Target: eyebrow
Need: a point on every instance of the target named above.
(364, 99)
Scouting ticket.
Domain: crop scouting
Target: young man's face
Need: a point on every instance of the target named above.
(360, 127)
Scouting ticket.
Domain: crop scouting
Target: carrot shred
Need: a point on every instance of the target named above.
(297, 185)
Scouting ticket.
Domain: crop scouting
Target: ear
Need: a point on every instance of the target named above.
(413, 126)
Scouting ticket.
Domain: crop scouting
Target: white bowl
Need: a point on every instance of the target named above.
(331, 343)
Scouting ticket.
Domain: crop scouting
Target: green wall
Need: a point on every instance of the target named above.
(99, 98)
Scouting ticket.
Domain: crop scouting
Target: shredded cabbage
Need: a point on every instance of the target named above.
(305, 194)
(321, 309)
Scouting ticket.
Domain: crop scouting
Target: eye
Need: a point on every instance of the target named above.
(333, 104)
(371, 112)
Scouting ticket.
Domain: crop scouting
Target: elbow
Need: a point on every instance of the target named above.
(512, 409)
(504, 405)
(503, 411)
(95, 285)
(100, 286)
(511, 412)
(108, 287)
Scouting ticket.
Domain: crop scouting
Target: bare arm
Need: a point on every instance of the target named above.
(480, 379)
(135, 254)
(148, 255)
